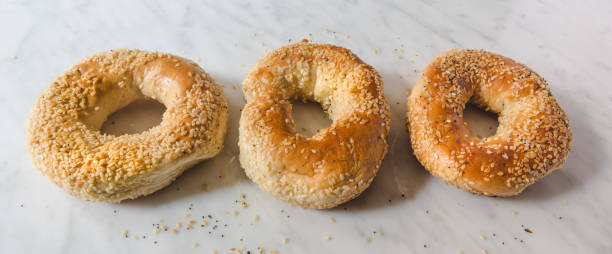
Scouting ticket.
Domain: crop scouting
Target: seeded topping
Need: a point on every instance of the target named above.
(533, 137)
(67, 146)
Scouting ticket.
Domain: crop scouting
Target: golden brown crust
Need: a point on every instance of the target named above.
(338, 162)
(63, 126)
(533, 137)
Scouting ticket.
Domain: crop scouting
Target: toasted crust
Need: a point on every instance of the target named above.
(63, 126)
(338, 162)
(533, 137)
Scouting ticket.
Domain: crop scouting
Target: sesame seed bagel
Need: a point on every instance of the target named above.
(63, 128)
(337, 163)
(533, 137)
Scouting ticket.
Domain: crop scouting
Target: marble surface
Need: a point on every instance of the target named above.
(567, 42)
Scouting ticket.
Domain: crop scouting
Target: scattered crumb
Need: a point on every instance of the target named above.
(198, 59)
(376, 51)
(514, 213)
(484, 251)
(273, 252)
(233, 87)
(261, 44)
(204, 222)
(378, 233)
(13, 57)
(188, 227)
(326, 30)
(400, 57)
(368, 239)
(235, 213)
(332, 219)
(134, 237)
(195, 244)
(241, 65)
(254, 34)
(285, 240)
(124, 233)
(178, 224)
(565, 202)
(191, 222)
(164, 227)
(213, 252)
(187, 215)
(259, 250)
(483, 237)
(242, 195)
(45, 206)
(328, 238)
(528, 231)
(346, 36)
(174, 231)
(255, 218)
(156, 231)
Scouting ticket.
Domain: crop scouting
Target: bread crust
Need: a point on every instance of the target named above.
(337, 163)
(533, 138)
(63, 128)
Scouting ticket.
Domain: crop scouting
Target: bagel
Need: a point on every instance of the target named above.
(63, 128)
(338, 162)
(533, 137)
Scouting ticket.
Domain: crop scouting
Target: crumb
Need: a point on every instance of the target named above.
(191, 222)
(514, 213)
(205, 187)
(483, 237)
(326, 30)
(204, 222)
(484, 251)
(273, 252)
(174, 232)
(255, 218)
(285, 240)
(178, 224)
(241, 65)
(235, 213)
(45, 206)
(134, 237)
(528, 231)
(198, 59)
(187, 215)
(124, 233)
(565, 202)
(328, 238)
(213, 252)
(368, 239)
(195, 244)
(332, 219)
(242, 195)
(376, 51)
(13, 57)
(261, 44)
(259, 250)
(233, 87)
(400, 57)
(156, 231)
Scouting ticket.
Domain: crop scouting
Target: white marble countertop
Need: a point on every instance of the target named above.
(567, 42)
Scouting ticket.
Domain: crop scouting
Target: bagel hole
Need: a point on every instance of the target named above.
(480, 123)
(309, 118)
(136, 117)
